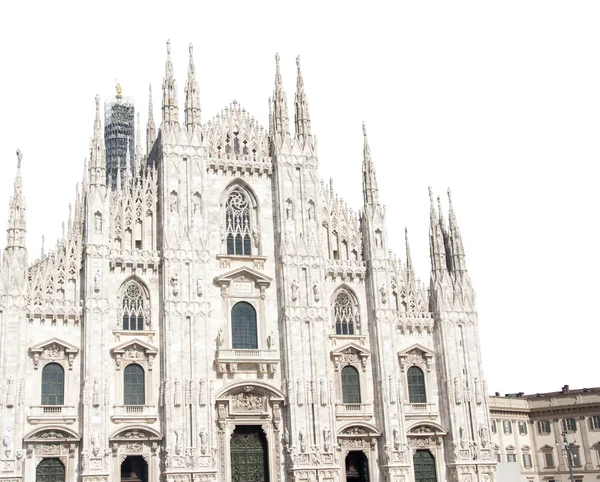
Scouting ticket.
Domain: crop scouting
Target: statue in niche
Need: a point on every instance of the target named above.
(173, 202)
(196, 203)
(286, 437)
(220, 338)
(97, 281)
(95, 441)
(311, 213)
(289, 210)
(7, 441)
(483, 436)
(203, 441)
(316, 293)
(396, 434)
(199, 287)
(175, 283)
(98, 223)
(302, 440)
(327, 439)
(256, 239)
(463, 442)
(270, 341)
(294, 290)
(383, 294)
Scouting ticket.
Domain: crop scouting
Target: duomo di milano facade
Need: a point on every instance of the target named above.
(223, 315)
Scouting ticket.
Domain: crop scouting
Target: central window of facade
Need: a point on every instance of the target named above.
(237, 224)
(416, 385)
(133, 307)
(243, 326)
(134, 385)
(350, 385)
(53, 384)
(343, 312)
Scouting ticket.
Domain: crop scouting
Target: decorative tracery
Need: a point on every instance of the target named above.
(134, 308)
(237, 224)
(344, 314)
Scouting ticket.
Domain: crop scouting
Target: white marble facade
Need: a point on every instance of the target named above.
(134, 307)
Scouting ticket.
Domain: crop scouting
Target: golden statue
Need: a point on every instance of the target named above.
(119, 89)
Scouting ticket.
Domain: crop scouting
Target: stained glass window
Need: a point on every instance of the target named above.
(133, 307)
(416, 385)
(424, 465)
(343, 312)
(350, 385)
(134, 385)
(237, 224)
(53, 384)
(243, 326)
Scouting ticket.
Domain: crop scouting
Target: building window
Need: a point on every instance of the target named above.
(243, 326)
(53, 384)
(522, 428)
(549, 459)
(493, 427)
(511, 457)
(416, 385)
(343, 312)
(498, 456)
(237, 224)
(569, 425)
(134, 385)
(544, 427)
(527, 461)
(507, 426)
(595, 422)
(575, 457)
(134, 307)
(350, 385)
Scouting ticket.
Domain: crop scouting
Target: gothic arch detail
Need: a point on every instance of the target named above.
(346, 313)
(133, 306)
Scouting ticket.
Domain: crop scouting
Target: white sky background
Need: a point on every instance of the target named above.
(500, 101)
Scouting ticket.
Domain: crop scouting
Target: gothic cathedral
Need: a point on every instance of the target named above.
(219, 314)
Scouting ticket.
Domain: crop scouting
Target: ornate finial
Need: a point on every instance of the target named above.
(191, 49)
(298, 62)
(97, 105)
(169, 46)
(449, 196)
(277, 59)
(19, 158)
(119, 89)
(364, 126)
(430, 194)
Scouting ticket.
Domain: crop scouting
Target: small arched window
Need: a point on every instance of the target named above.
(134, 387)
(237, 224)
(133, 309)
(243, 326)
(350, 385)
(416, 385)
(53, 384)
(343, 312)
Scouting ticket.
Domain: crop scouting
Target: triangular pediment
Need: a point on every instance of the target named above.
(243, 274)
(546, 448)
(55, 344)
(135, 344)
(416, 347)
(351, 348)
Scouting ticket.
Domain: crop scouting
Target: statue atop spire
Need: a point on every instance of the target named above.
(302, 115)
(280, 120)
(169, 105)
(97, 151)
(192, 96)
(410, 272)
(150, 126)
(370, 190)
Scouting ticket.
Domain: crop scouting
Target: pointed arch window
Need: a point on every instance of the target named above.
(243, 326)
(53, 384)
(134, 386)
(344, 314)
(350, 385)
(134, 308)
(237, 224)
(416, 385)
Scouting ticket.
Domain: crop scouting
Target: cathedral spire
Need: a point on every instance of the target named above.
(410, 272)
(138, 148)
(457, 251)
(128, 175)
(97, 151)
(302, 115)
(150, 127)
(16, 215)
(192, 96)
(280, 121)
(170, 110)
(370, 191)
(436, 241)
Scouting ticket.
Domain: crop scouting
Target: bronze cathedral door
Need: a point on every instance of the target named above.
(249, 458)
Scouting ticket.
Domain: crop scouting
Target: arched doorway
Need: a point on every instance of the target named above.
(134, 469)
(50, 470)
(357, 467)
(249, 454)
(424, 465)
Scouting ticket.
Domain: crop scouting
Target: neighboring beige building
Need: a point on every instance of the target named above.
(222, 315)
(528, 430)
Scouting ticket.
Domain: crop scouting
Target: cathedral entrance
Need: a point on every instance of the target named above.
(50, 470)
(134, 469)
(249, 456)
(424, 464)
(357, 467)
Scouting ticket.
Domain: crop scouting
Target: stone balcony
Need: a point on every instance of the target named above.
(421, 410)
(52, 414)
(247, 361)
(363, 411)
(134, 413)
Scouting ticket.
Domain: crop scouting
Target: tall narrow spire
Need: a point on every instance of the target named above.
(138, 147)
(170, 110)
(410, 272)
(457, 251)
(280, 122)
(436, 241)
(128, 175)
(370, 191)
(97, 151)
(16, 215)
(192, 96)
(302, 115)
(150, 127)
